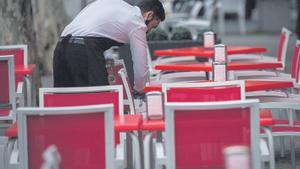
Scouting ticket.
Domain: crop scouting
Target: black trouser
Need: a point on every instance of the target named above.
(298, 19)
(81, 64)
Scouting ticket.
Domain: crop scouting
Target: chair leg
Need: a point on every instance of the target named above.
(28, 90)
(271, 147)
(146, 144)
(242, 23)
(137, 152)
(3, 153)
(263, 165)
(293, 153)
(282, 145)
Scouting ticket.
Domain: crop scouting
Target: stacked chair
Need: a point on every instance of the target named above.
(15, 86)
(281, 58)
(226, 6)
(23, 70)
(275, 83)
(12, 95)
(83, 135)
(191, 139)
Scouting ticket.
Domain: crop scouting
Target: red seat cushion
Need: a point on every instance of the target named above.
(286, 129)
(266, 117)
(12, 131)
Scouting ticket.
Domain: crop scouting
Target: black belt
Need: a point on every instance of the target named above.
(102, 42)
(76, 40)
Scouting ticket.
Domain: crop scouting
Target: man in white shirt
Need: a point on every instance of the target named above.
(78, 57)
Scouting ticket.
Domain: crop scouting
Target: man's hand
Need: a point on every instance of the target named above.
(138, 95)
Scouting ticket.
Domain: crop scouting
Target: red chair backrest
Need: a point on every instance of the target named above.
(7, 89)
(298, 70)
(204, 94)
(82, 99)
(283, 45)
(295, 64)
(4, 82)
(19, 57)
(201, 136)
(280, 46)
(17, 52)
(79, 138)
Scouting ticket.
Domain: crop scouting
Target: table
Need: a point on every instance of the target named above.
(123, 123)
(207, 52)
(128, 123)
(250, 85)
(266, 119)
(207, 67)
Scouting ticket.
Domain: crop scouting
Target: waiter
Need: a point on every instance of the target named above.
(78, 56)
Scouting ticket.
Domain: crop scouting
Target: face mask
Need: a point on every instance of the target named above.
(147, 23)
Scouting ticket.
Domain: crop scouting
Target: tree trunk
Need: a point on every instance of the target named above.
(17, 25)
(22, 23)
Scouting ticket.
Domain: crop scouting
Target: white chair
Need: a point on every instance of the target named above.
(89, 146)
(20, 53)
(9, 98)
(189, 9)
(185, 144)
(195, 23)
(281, 57)
(7, 88)
(79, 96)
(209, 92)
(291, 128)
(293, 76)
(231, 6)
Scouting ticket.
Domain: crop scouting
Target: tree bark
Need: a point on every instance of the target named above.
(22, 23)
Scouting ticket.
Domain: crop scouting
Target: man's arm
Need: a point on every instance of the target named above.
(138, 47)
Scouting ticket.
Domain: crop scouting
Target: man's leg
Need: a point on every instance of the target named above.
(61, 75)
(298, 19)
(97, 73)
(77, 62)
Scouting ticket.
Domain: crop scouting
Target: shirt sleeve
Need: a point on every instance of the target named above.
(138, 47)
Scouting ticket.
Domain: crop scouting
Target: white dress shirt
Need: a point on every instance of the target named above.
(119, 21)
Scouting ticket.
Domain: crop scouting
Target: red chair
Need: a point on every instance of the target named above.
(289, 127)
(60, 97)
(23, 70)
(281, 57)
(194, 138)
(206, 92)
(267, 96)
(8, 104)
(118, 76)
(8, 98)
(89, 145)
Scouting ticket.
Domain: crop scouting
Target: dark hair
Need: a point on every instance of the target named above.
(152, 5)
